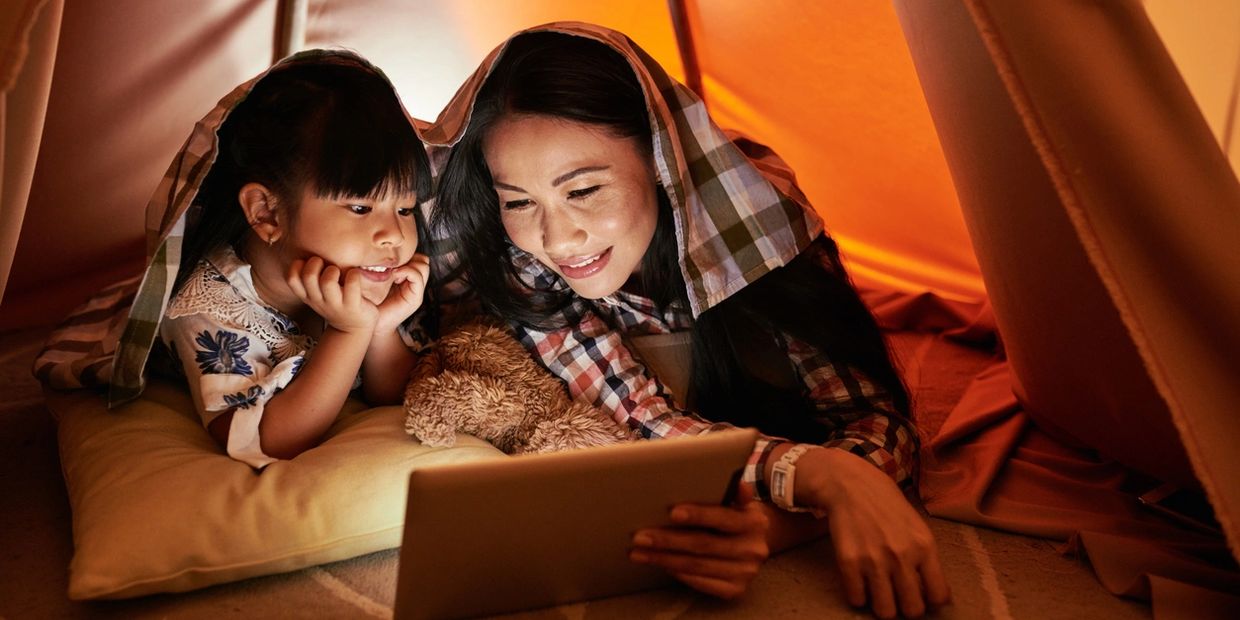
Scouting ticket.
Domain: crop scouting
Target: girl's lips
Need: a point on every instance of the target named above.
(376, 274)
(588, 269)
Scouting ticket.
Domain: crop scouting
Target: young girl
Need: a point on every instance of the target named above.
(593, 201)
(300, 267)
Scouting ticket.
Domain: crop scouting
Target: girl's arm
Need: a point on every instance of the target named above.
(389, 360)
(296, 417)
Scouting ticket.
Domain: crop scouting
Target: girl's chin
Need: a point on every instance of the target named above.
(376, 293)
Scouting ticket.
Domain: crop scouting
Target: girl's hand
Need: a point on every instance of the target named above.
(883, 546)
(341, 304)
(714, 549)
(406, 294)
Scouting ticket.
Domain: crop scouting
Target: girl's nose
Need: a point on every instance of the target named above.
(389, 232)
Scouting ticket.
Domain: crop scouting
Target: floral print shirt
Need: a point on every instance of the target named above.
(235, 350)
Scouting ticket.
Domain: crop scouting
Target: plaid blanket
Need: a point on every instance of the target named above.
(738, 214)
(107, 340)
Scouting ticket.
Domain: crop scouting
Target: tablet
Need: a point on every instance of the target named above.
(533, 531)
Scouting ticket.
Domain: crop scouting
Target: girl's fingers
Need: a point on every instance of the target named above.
(329, 285)
(311, 271)
(351, 295)
(293, 279)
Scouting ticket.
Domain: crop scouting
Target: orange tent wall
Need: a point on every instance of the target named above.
(832, 88)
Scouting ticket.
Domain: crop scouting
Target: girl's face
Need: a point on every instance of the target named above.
(576, 197)
(375, 234)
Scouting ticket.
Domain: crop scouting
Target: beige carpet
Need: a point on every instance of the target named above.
(992, 574)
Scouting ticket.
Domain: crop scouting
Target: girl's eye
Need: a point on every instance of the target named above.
(360, 209)
(517, 204)
(582, 193)
(405, 212)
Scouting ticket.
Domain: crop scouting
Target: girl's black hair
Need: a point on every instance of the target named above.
(335, 127)
(810, 299)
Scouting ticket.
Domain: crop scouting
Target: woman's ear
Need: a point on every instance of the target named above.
(260, 206)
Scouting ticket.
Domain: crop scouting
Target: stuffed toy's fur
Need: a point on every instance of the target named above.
(479, 380)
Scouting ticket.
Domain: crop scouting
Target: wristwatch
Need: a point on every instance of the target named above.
(783, 480)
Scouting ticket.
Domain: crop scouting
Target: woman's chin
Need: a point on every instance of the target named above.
(594, 288)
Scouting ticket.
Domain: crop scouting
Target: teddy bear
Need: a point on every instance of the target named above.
(477, 379)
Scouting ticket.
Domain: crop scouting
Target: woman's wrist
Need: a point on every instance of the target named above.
(816, 478)
(815, 483)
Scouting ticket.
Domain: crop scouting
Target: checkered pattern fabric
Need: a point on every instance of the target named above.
(738, 214)
(107, 340)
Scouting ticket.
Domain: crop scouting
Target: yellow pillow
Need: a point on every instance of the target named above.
(158, 507)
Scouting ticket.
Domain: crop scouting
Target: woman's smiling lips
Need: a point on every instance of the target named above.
(585, 266)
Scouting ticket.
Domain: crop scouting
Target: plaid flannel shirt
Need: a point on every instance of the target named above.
(738, 215)
(591, 357)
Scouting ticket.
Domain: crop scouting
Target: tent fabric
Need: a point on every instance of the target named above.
(126, 90)
(25, 26)
(1105, 231)
(1112, 309)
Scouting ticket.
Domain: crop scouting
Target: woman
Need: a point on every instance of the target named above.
(592, 201)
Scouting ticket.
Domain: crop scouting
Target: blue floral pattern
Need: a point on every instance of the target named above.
(244, 400)
(222, 354)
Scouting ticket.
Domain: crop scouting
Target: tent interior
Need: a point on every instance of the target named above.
(1039, 202)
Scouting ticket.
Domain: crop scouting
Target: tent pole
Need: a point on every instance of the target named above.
(684, 40)
(291, 36)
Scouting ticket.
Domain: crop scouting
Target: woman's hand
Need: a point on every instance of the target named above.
(884, 548)
(715, 549)
(340, 303)
(405, 297)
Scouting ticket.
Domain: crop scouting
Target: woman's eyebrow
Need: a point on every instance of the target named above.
(511, 188)
(569, 175)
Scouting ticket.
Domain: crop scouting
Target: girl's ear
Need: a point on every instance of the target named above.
(260, 206)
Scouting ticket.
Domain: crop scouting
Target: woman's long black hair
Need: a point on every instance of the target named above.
(335, 127)
(810, 299)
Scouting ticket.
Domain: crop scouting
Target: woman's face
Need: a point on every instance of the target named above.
(575, 196)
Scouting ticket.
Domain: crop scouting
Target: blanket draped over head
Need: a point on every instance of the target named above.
(738, 210)
(109, 339)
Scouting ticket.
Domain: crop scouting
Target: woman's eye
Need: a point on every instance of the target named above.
(582, 193)
(360, 209)
(406, 212)
(517, 204)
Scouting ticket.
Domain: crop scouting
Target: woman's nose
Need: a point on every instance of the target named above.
(561, 236)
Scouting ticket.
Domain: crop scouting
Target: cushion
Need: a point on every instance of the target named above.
(158, 507)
